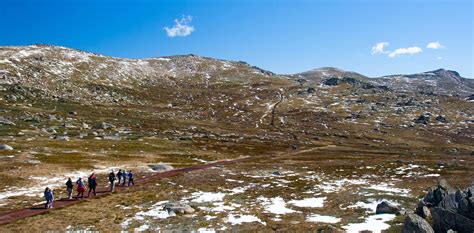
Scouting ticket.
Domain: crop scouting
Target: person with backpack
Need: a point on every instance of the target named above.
(69, 188)
(92, 184)
(112, 181)
(130, 178)
(49, 197)
(81, 187)
(124, 177)
(119, 176)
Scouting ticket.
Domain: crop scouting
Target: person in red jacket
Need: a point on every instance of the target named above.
(81, 187)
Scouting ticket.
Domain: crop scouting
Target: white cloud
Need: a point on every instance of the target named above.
(409, 50)
(379, 48)
(181, 27)
(439, 58)
(434, 45)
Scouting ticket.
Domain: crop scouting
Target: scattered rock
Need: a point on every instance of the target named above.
(331, 82)
(5, 147)
(386, 207)
(423, 119)
(441, 119)
(62, 137)
(4, 121)
(329, 229)
(85, 125)
(103, 125)
(276, 173)
(416, 224)
(69, 126)
(178, 208)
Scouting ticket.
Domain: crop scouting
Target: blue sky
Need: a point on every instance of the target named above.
(282, 36)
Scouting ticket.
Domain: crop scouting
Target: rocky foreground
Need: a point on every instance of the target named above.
(449, 210)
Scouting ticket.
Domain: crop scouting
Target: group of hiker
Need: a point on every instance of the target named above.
(121, 176)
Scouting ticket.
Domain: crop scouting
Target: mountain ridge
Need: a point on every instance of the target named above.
(243, 62)
(38, 64)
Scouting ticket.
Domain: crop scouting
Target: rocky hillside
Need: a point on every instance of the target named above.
(59, 72)
(439, 81)
(171, 94)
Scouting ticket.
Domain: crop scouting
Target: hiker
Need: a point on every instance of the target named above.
(130, 178)
(119, 176)
(81, 187)
(69, 187)
(293, 147)
(92, 184)
(124, 177)
(49, 197)
(112, 180)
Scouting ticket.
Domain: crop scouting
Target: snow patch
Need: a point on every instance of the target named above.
(315, 202)
(375, 223)
(275, 205)
(234, 220)
(323, 218)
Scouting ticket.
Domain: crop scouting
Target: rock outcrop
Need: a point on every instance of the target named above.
(450, 209)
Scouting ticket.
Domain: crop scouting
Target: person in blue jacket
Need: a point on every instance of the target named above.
(130, 178)
(49, 197)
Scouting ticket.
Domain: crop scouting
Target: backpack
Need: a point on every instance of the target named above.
(111, 177)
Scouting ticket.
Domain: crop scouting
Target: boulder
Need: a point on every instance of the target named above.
(5, 147)
(466, 207)
(178, 208)
(386, 207)
(438, 195)
(423, 119)
(441, 119)
(161, 167)
(416, 224)
(422, 210)
(442, 183)
(444, 220)
(449, 203)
